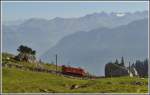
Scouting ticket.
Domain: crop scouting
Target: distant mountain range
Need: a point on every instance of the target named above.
(42, 34)
(93, 49)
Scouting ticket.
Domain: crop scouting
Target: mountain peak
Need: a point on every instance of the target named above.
(96, 14)
(58, 18)
(120, 14)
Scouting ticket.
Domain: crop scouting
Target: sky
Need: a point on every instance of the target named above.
(12, 11)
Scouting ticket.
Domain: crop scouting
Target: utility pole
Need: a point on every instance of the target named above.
(129, 69)
(129, 66)
(56, 63)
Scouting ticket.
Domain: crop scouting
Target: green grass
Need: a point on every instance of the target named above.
(15, 80)
(11, 60)
(24, 81)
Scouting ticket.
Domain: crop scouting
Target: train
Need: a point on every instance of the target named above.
(72, 71)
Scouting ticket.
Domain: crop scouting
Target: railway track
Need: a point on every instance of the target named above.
(39, 69)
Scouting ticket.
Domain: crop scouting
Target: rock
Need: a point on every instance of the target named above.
(114, 70)
(26, 57)
(137, 83)
(140, 68)
(74, 86)
(44, 90)
(7, 58)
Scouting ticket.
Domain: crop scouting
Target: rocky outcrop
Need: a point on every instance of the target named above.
(115, 70)
(26, 57)
(139, 68)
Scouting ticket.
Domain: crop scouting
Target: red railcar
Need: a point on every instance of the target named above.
(73, 71)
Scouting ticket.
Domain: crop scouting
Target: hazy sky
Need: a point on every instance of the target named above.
(24, 10)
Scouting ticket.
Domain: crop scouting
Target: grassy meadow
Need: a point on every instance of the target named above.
(16, 80)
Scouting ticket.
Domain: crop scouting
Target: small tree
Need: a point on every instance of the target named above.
(33, 52)
(26, 54)
(122, 61)
(116, 62)
(25, 49)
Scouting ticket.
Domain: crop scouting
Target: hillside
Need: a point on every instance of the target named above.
(22, 80)
(27, 81)
(8, 59)
(93, 49)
